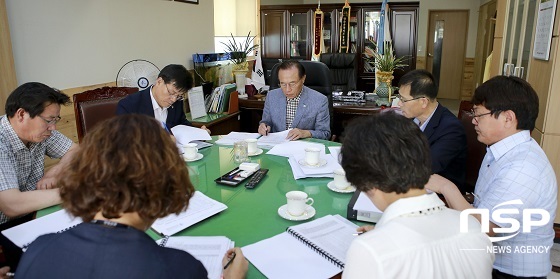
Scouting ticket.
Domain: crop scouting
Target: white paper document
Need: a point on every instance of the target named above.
(294, 147)
(363, 203)
(232, 137)
(200, 208)
(209, 250)
(185, 134)
(335, 152)
(26, 233)
(273, 139)
(291, 254)
(196, 102)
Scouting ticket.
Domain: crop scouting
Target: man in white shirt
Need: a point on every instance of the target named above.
(515, 175)
(387, 157)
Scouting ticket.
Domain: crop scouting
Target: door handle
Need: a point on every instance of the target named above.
(430, 55)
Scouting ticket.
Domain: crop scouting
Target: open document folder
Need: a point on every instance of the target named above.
(316, 249)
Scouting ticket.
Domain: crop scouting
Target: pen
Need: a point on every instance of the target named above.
(10, 274)
(166, 128)
(230, 260)
(358, 233)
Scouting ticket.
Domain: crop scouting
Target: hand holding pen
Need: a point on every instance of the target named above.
(264, 129)
(235, 264)
(364, 229)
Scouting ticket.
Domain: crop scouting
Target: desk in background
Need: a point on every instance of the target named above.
(252, 110)
(218, 123)
(252, 215)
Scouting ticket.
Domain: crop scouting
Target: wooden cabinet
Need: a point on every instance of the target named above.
(283, 29)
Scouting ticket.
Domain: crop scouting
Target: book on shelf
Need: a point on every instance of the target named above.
(57, 222)
(200, 207)
(316, 249)
(209, 250)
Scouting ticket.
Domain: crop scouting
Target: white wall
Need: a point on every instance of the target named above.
(425, 7)
(72, 43)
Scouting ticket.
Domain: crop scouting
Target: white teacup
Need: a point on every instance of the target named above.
(190, 151)
(252, 146)
(297, 202)
(312, 156)
(340, 181)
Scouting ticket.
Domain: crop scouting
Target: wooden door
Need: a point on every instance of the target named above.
(8, 82)
(447, 38)
(273, 30)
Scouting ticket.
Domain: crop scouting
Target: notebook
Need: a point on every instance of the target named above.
(200, 208)
(26, 233)
(316, 249)
(209, 250)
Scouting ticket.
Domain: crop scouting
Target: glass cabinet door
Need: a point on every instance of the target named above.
(519, 25)
(327, 33)
(298, 36)
(371, 29)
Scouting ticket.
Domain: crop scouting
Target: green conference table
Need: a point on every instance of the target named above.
(252, 215)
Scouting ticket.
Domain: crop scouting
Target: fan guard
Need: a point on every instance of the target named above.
(137, 73)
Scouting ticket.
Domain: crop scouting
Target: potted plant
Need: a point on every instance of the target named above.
(238, 52)
(383, 65)
(238, 56)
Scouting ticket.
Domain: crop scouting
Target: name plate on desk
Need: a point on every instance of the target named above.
(350, 96)
(196, 102)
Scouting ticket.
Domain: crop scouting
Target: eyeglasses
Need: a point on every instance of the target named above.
(177, 96)
(473, 114)
(404, 101)
(52, 121)
(291, 84)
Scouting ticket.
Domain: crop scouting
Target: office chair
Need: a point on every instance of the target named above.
(93, 106)
(317, 78)
(475, 149)
(343, 69)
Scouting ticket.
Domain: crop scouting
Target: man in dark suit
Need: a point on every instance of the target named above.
(164, 99)
(445, 134)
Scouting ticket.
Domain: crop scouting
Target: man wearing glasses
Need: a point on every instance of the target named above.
(515, 176)
(445, 133)
(294, 106)
(28, 133)
(164, 100)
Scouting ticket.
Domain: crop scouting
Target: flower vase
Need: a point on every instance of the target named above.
(240, 81)
(384, 90)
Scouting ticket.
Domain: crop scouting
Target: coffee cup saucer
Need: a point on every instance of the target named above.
(349, 189)
(196, 158)
(321, 163)
(307, 214)
(258, 152)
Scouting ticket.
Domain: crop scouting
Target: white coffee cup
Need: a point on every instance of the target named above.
(297, 202)
(312, 155)
(340, 181)
(252, 146)
(190, 151)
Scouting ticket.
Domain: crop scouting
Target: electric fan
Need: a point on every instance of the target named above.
(137, 73)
